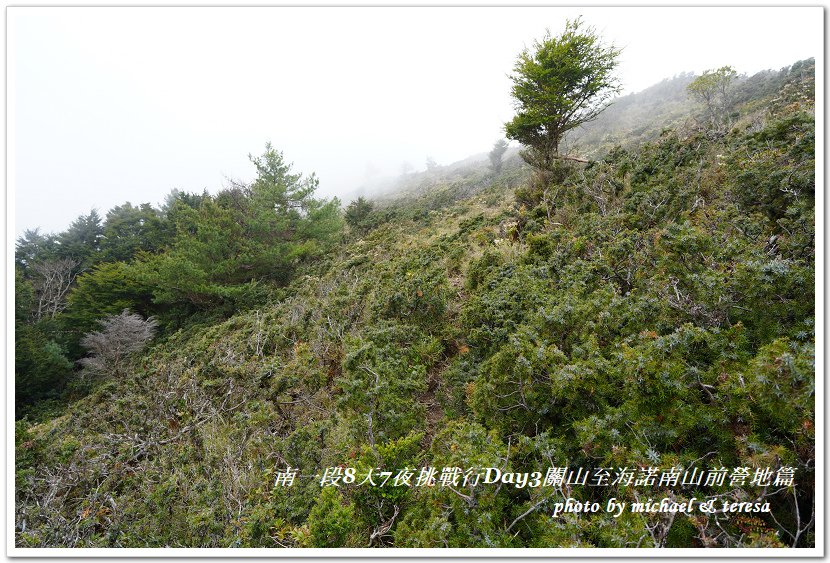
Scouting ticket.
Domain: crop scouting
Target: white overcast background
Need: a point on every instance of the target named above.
(107, 105)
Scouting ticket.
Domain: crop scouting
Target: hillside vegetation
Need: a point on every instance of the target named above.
(654, 308)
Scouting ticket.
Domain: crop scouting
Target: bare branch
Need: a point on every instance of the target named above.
(121, 336)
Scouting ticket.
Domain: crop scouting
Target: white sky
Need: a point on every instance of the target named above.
(107, 105)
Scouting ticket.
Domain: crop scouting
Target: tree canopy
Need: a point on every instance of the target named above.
(248, 233)
(559, 84)
(712, 89)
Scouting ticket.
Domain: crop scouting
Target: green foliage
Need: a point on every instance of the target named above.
(24, 295)
(469, 515)
(561, 83)
(777, 391)
(107, 289)
(331, 521)
(713, 90)
(129, 230)
(416, 292)
(81, 240)
(375, 506)
(653, 308)
(775, 168)
(41, 365)
(383, 369)
(359, 215)
(481, 267)
(286, 223)
(490, 316)
(33, 247)
(246, 234)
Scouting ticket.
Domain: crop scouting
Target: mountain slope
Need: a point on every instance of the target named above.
(654, 309)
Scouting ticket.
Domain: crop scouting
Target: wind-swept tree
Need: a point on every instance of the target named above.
(496, 155)
(559, 84)
(713, 90)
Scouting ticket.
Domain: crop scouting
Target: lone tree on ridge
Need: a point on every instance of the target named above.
(558, 85)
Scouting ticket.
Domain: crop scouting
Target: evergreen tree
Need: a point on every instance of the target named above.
(496, 154)
(128, 230)
(81, 241)
(560, 84)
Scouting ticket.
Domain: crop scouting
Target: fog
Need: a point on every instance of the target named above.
(107, 105)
